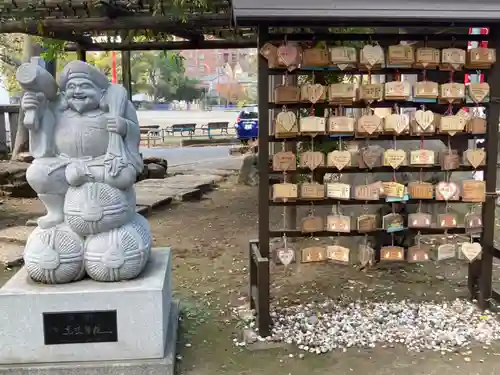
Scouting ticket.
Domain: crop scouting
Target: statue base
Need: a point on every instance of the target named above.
(87, 327)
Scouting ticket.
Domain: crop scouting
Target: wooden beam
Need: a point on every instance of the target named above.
(136, 22)
(168, 46)
(81, 54)
(127, 73)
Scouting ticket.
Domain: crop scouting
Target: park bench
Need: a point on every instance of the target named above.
(211, 126)
(182, 128)
(151, 129)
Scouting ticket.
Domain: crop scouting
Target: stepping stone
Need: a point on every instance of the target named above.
(153, 197)
(11, 254)
(143, 210)
(17, 234)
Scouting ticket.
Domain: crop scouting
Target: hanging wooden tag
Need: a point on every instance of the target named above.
(312, 93)
(427, 58)
(372, 156)
(286, 124)
(312, 224)
(284, 256)
(344, 57)
(473, 223)
(270, 52)
(338, 223)
(341, 125)
(401, 55)
(419, 220)
(338, 190)
(447, 221)
(366, 256)
(476, 125)
(312, 125)
(312, 159)
(447, 191)
(452, 92)
(339, 159)
(392, 254)
(471, 251)
(473, 191)
(478, 92)
(424, 119)
(366, 223)
(481, 58)
(393, 223)
(393, 189)
(452, 58)
(313, 254)
(449, 160)
(369, 192)
(338, 254)
(420, 190)
(315, 57)
(369, 125)
(312, 191)
(342, 93)
(452, 125)
(475, 157)
(286, 94)
(289, 54)
(285, 192)
(418, 254)
(397, 90)
(426, 90)
(446, 251)
(394, 158)
(396, 124)
(416, 128)
(371, 92)
(372, 57)
(284, 161)
(423, 158)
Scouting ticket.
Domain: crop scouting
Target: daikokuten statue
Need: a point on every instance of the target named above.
(84, 136)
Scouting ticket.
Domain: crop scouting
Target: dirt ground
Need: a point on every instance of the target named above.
(210, 245)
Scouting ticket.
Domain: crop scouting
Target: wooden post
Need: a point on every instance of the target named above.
(127, 73)
(81, 54)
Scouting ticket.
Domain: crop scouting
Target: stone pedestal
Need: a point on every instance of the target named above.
(88, 327)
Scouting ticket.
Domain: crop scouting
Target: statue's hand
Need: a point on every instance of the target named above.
(76, 174)
(117, 125)
(30, 101)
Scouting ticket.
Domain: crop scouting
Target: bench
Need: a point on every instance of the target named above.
(211, 126)
(182, 128)
(151, 133)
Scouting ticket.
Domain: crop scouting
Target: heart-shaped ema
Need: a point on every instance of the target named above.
(447, 190)
(314, 92)
(424, 119)
(286, 120)
(369, 124)
(312, 159)
(373, 55)
(339, 159)
(475, 157)
(471, 251)
(285, 256)
(478, 91)
(288, 54)
(371, 155)
(397, 123)
(394, 157)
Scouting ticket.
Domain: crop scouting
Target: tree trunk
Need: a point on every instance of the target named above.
(21, 143)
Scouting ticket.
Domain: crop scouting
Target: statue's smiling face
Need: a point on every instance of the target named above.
(82, 95)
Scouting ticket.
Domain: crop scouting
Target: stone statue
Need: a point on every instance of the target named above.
(84, 136)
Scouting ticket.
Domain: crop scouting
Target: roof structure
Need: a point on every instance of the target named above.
(136, 24)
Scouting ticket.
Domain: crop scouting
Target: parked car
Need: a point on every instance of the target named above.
(247, 124)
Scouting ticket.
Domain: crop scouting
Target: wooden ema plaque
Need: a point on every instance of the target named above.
(342, 93)
(313, 254)
(427, 58)
(476, 125)
(338, 254)
(284, 192)
(481, 58)
(284, 161)
(369, 192)
(447, 221)
(397, 90)
(418, 254)
(473, 223)
(371, 57)
(312, 93)
(366, 223)
(312, 224)
(338, 190)
(422, 158)
(396, 124)
(452, 58)
(449, 160)
(473, 191)
(419, 220)
(339, 159)
(289, 55)
(394, 158)
(452, 124)
(286, 125)
(312, 191)
(286, 94)
(369, 125)
(475, 157)
(315, 57)
(270, 52)
(452, 92)
(420, 190)
(312, 159)
(370, 157)
(338, 223)
(392, 254)
(284, 256)
(401, 55)
(341, 125)
(371, 92)
(447, 191)
(426, 90)
(478, 92)
(344, 57)
(312, 125)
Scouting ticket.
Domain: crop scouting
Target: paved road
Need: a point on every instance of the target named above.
(177, 156)
(168, 118)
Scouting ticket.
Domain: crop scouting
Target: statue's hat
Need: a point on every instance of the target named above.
(80, 69)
